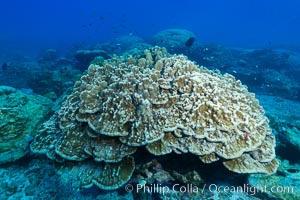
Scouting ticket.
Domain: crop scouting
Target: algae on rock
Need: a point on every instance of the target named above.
(20, 117)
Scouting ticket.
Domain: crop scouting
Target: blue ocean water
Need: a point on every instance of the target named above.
(46, 46)
(56, 24)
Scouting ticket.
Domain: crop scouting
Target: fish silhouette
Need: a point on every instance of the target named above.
(190, 42)
(4, 66)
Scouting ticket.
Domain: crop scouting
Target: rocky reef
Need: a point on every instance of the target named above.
(21, 115)
(175, 40)
(283, 185)
(284, 116)
(163, 103)
(147, 117)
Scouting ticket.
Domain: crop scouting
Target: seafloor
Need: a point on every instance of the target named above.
(32, 89)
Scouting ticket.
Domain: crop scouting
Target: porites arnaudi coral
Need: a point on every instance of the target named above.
(165, 103)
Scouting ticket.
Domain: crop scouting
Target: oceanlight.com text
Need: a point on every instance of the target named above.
(190, 188)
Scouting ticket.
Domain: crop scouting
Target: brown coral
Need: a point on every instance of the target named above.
(166, 103)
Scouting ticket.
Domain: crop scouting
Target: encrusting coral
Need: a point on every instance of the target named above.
(21, 115)
(165, 103)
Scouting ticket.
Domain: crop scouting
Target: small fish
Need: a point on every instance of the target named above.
(4, 66)
(190, 42)
(293, 170)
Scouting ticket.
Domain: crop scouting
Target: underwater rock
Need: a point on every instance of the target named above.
(276, 83)
(166, 104)
(264, 71)
(175, 40)
(119, 45)
(189, 178)
(50, 60)
(152, 172)
(20, 118)
(267, 58)
(268, 72)
(42, 179)
(53, 83)
(128, 42)
(7, 90)
(269, 82)
(49, 55)
(290, 136)
(284, 118)
(17, 73)
(214, 56)
(187, 192)
(86, 56)
(282, 185)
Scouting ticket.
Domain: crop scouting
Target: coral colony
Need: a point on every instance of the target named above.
(165, 103)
